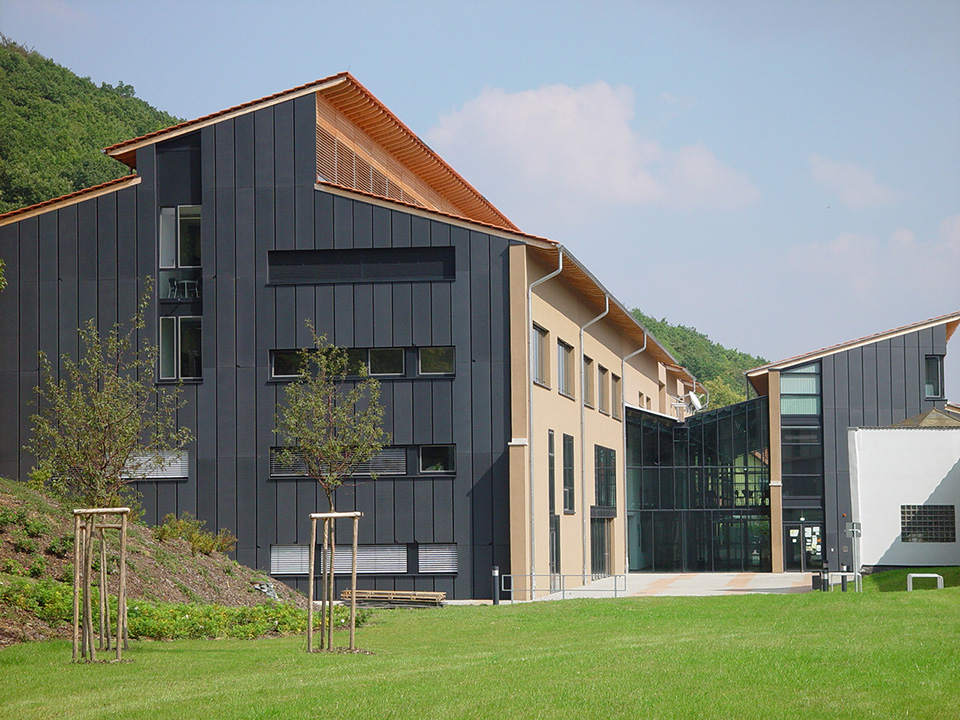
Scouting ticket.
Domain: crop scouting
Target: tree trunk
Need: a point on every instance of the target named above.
(330, 578)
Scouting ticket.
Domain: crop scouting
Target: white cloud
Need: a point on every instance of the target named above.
(558, 149)
(855, 187)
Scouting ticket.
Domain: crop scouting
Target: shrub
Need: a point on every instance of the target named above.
(189, 528)
(61, 547)
(36, 527)
(38, 568)
(48, 600)
(12, 567)
(9, 516)
(23, 544)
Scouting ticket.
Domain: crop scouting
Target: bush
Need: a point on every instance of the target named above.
(9, 516)
(38, 568)
(12, 567)
(189, 528)
(23, 544)
(61, 547)
(48, 600)
(36, 527)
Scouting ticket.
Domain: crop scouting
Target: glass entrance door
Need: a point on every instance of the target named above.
(802, 546)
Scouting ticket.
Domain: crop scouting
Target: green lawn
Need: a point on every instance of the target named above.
(815, 655)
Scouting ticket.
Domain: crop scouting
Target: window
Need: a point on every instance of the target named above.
(541, 363)
(284, 363)
(438, 459)
(568, 504)
(800, 390)
(180, 346)
(386, 361)
(604, 389)
(616, 400)
(564, 368)
(551, 472)
(933, 376)
(605, 468)
(371, 559)
(928, 523)
(589, 382)
(437, 361)
(180, 252)
(170, 465)
(361, 265)
(389, 461)
(433, 559)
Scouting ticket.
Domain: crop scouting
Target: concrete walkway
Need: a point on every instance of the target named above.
(691, 585)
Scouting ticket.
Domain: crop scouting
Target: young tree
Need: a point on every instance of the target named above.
(331, 422)
(103, 422)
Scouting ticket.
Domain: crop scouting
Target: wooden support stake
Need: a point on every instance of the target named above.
(77, 554)
(104, 605)
(313, 554)
(122, 590)
(353, 586)
(91, 652)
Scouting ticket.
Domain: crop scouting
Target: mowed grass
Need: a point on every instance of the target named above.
(815, 655)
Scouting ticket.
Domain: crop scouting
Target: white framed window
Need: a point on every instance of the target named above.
(168, 465)
(565, 372)
(589, 382)
(437, 361)
(616, 401)
(933, 376)
(179, 252)
(180, 348)
(541, 361)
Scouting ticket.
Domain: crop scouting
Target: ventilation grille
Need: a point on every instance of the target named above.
(438, 559)
(371, 560)
(390, 461)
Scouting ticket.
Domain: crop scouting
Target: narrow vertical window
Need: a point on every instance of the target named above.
(589, 382)
(615, 397)
(551, 472)
(605, 469)
(564, 368)
(179, 252)
(603, 382)
(568, 504)
(933, 376)
(180, 348)
(541, 363)
(168, 348)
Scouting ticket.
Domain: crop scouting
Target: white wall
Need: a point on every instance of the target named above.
(890, 467)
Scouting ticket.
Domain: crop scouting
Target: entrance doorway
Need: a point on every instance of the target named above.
(802, 546)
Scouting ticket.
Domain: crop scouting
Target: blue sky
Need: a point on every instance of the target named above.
(782, 176)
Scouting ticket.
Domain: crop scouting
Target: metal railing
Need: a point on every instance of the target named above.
(557, 585)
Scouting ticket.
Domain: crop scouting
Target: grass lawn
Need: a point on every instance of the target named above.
(816, 655)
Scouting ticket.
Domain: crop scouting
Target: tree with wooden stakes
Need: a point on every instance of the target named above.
(331, 421)
(101, 423)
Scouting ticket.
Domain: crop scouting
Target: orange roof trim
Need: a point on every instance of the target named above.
(74, 197)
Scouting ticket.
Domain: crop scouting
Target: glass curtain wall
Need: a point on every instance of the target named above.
(698, 492)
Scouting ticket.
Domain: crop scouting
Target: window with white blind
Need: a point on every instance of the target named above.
(434, 559)
(390, 461)
(170, 465)
(371, 559)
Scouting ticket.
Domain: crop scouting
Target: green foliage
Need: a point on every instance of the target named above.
(47, 599)
(9, 516)
(24, 544)
(35, 527)
(189, 528)
(718, 368)
(3, 279)
(61, 547)
(104, 421)
(896, 580)
(329, 423)
(54, 125)
(12, 567)
(38, 568)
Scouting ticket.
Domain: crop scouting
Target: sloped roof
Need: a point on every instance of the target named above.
(349, 97)
(931, 418)
(758, 376)
(68, 199)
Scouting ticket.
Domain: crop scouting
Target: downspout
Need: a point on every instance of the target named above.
(623, 412)
(583, 440)
(535, 283)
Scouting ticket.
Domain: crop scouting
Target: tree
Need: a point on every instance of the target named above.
(103, 421)
(331, 421)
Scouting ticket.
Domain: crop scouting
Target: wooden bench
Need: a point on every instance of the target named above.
(395, 598)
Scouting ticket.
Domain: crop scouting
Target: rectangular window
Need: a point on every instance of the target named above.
(603, 383)
(616, 400)
(568, 503)
(171, 465)
(437, 361)
(179, 252)
(284, 363)
(800, 390)
(389, 461)
(589, 382)
(928, 523)
(438, 458)
(371, 559)
(362, 265)
(551, 473)
(605, 467)
(433, 559)
(386, 361)
(933, 376)
(180, 348)
(541, 363)
(564, 368)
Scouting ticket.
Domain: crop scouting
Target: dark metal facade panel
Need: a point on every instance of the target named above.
(382, 315)
(243, 151)
(263, 144)
(244, 229)
(323, 221)
(363, 314)
(342, 223)
(283, 150)
(362, 225)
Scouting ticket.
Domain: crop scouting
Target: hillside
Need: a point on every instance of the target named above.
(719, 368)
(36, 541)
(54, 125)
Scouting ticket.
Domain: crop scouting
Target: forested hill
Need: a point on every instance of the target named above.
(54, 125)
(719, 368)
